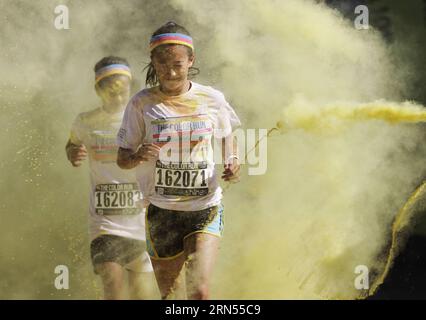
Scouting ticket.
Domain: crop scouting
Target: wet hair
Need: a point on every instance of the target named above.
(106, 61)
(169, 27)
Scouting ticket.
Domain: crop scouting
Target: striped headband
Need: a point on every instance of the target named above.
(170, 38)
(110, 70)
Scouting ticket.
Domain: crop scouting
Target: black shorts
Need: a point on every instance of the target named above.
(111, 248)
(166, 230)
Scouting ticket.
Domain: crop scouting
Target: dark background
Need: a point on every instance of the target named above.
(407, 278)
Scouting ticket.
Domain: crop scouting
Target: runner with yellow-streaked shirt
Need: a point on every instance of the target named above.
(167, 135)
(116, 223)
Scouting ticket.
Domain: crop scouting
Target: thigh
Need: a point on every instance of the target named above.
(111, 248)
(169, 278)
(113, 276)
(201, 250)
(141, 264)
(142, 285)
(172, 235)
(110, 271)
(141, 279)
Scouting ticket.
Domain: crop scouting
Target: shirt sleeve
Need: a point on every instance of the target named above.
(132, 130)
(227, 119)
(77, 131)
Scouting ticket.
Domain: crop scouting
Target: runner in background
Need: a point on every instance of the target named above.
(116, 220)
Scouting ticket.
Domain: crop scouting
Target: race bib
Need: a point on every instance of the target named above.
(181, 179)
(117, 199)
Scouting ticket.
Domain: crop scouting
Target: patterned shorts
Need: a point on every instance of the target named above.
(166, 230)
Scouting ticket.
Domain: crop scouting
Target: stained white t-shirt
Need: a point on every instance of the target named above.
(115, 197)
(184, 126)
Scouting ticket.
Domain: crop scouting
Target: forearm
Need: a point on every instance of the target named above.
(76, 153)
(127, 159)
(229, 149)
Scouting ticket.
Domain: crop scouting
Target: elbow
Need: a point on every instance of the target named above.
(124, 160)
(122, 164)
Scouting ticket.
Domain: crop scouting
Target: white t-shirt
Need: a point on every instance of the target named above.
(184, 126)
(115, 198)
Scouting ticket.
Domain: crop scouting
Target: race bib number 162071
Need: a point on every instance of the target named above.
(181, 179)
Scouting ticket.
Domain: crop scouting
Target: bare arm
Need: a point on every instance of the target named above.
(230, 159)
(75, 153)
(128, 159)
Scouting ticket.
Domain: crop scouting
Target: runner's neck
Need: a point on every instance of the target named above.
(186, 88)
(112, 110)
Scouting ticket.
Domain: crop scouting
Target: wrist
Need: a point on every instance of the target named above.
(137, 156)
(231, 158)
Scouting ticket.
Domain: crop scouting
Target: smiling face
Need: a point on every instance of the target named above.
(171, 64)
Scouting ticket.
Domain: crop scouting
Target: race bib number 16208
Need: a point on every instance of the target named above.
(117, 199)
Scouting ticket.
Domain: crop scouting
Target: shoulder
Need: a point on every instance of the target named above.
(208, 91)
(214, 98)
(88, 117)
(142, 98)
